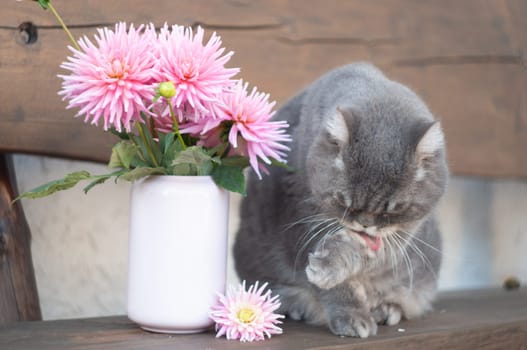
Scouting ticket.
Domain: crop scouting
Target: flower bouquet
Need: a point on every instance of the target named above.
(176, 110)
(172, 103)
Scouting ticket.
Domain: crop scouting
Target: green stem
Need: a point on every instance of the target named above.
(56, 14)
(141, 156)
(147, 145)
(176, 126)
(225, 151)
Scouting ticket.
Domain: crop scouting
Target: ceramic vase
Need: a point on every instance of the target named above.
(177, 252)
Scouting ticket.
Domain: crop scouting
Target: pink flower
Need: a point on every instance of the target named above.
(253, 134)
(247, 315)
(198, 71)
(112, 79)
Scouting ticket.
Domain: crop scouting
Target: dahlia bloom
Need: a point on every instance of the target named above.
(198, 71)
(247, 315)
(112, 79)
(253, 134)
(153, 87)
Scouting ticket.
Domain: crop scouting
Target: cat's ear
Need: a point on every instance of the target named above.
(432, 140)
(337, 127)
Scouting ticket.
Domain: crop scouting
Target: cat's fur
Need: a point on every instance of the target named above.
(367, 156)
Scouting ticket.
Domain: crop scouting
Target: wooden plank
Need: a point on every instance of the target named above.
(485, 319)
(464, 57)
(18, 290)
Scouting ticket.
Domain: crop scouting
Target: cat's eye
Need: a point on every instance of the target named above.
(393, 208)
(333, 142)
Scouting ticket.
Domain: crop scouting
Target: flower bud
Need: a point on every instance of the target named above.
(167, 89)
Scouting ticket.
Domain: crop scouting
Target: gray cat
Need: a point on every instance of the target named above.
(347, 238)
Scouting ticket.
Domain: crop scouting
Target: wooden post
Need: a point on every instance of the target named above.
(18, 289)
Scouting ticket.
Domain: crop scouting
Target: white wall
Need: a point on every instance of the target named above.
(80, 241)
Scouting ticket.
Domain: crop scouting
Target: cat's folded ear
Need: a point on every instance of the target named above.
(337, 126)
(430, 140)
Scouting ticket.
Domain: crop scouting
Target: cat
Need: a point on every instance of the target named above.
(346, 235)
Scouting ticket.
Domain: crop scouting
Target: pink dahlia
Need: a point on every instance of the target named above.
(247, 315)
(198, 71)
(253, 134)
(112, 79)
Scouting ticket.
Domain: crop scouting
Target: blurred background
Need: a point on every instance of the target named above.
(465, 58)
(80, 241)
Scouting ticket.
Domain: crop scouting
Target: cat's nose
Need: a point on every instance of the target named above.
(366, 220)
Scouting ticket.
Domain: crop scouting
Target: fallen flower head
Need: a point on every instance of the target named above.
(247, 315)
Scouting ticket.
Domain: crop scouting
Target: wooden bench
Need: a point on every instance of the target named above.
(488, 319)
(465, 58)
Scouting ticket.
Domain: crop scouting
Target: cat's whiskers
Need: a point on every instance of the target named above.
(305, 243)
(386, 239)
(324, 227)
(308, 219)
(316, 219)
(318, 223)
(444, 255)
(408, 241)
(393, 256)
(346, 211)
(422, 241)
(406, 258)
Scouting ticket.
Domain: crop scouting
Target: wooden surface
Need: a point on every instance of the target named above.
(485, 319)
(18, 290)
(466, 59)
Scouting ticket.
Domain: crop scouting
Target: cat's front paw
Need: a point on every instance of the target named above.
(387, 314)
(353, 324)
(322, 272)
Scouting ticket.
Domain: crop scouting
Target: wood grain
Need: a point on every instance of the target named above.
(465, 58)
(485, 319)
(18, 290)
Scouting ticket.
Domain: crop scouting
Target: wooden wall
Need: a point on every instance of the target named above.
(465, 58)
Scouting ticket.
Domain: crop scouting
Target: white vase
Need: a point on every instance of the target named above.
(177, 252)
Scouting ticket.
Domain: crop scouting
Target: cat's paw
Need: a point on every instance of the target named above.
(322, 270)
(387, 314)
(296, 314)
(353, 324)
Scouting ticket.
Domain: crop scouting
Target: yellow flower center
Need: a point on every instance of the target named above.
(117, 70)
(246, 315)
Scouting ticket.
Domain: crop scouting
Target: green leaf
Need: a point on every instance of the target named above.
(123, 135)
(282, 165)
(122, 155)
(172, 146)
(184, 170)
(51, 187)
(138, 173)
(230, 178)
(137, 162)
(197, 157)
(151, 144)
(237, 161)
(166, 140)
(143, 151)
(101, 179)
(215, 150)
(95, 182)
(44, 4)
